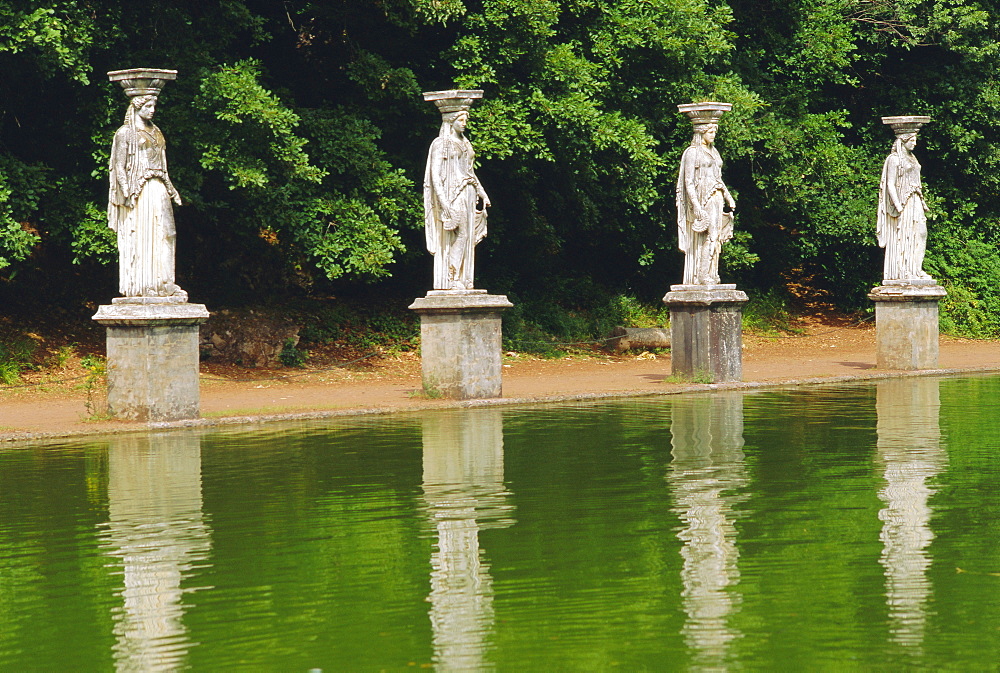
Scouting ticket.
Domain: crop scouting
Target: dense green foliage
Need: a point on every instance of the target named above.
(297, 138)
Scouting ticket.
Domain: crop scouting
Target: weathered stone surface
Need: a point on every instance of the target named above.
(173, 299)
(908, 291)
(703, 295)
(460, 343)
(152, 360)
(706, 333)
(460, 300)
(626, 338)
(142, 311)
(906, 326)
(247, 337)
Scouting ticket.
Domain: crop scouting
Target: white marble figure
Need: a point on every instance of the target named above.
(902, 212)
(455, 202)
(139, 198)
(703, 224)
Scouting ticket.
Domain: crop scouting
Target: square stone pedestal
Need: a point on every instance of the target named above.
(152, 347)
(460, 342)
(906, 324)
(706, 332)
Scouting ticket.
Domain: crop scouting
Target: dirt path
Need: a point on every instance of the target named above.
(824, 352)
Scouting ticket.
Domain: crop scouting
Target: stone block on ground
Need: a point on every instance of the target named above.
(627, 338)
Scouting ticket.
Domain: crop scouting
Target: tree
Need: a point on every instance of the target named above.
(298, 136)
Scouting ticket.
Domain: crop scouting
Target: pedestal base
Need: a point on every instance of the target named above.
(152, 358)
(706, 332)
(906, 325)
(460, 343)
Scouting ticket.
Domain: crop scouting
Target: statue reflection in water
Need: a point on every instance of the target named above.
(157, 533)
(464, 493)
(705, 476)
(909, 449)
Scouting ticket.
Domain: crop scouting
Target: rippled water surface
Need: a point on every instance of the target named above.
(818, 528)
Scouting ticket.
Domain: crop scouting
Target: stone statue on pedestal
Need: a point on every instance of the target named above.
(455, 202)
(706, 337)
(902, 212)
(152, 330)
(703, 223)
(140, 195)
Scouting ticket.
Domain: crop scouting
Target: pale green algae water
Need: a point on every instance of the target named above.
(848, 527)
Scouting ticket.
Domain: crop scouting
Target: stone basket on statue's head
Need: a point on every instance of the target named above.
(142, 81)
(704, 114)
(904, 125)
(453, 100)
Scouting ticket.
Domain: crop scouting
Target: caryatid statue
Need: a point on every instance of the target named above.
(902, 213)
(703, 223)
(455, 202)
(139, 199)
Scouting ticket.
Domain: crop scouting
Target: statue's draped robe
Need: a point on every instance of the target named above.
(139, 210)
(452, 222)
(903, 234)
(700, 176)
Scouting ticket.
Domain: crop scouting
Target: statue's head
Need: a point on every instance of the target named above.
(908, 140)
(143, 106)
(905, 128)
(456, 121)
(705, 133)
(705, 119)
(142, 86)
(454, 107)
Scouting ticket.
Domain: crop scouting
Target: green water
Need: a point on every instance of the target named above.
(827, 528)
